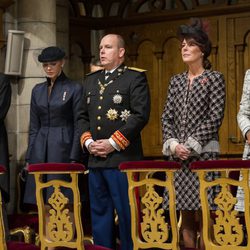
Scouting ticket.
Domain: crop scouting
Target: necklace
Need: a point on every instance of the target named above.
(103, 86)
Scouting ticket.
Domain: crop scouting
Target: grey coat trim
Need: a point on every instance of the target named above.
(191, 143)
(166, 146)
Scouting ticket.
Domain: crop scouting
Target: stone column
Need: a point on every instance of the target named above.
(62, 29)
(38, 19)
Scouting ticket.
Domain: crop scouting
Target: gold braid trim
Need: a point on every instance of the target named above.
(84, 137)
(120, 139)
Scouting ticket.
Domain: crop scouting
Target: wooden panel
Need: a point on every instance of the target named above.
(238, 62)
(155, 48)
(146, 57)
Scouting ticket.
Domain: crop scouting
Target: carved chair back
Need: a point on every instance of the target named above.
(61, 229)
(229, 228)
(152, 226)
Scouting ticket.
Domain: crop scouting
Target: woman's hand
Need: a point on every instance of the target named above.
(182, 152)
(248, 137)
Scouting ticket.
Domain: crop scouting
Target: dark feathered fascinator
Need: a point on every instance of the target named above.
(197, 30)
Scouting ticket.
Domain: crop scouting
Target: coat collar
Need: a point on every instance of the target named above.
(60, 78)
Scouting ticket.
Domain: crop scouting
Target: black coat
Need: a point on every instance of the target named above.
(5, 100)
(128, 92)
(53, 134)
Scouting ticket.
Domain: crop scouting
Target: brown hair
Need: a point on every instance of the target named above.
(197, 31)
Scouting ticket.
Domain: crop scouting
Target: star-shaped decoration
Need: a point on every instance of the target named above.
(125, 114)
(117, 99)
(112, 114)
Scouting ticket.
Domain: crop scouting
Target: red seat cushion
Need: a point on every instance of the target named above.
(220, 164)
(2, 169)
(22, 220)
(133, 165)
(58, 167)
(95, 247)
(15, 245)
(87, 247)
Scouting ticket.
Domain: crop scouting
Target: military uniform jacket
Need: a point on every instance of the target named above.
(5, 99)
(120, 109)
(53, 135)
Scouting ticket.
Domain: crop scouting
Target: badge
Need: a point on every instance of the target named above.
(64, 95)
(125, 114)
(112, 114)
(88, 100)
(117, 99)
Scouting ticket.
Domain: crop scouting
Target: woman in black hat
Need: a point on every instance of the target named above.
(191, 119)
(53, 135)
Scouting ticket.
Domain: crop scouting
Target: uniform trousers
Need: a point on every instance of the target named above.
(108, 190)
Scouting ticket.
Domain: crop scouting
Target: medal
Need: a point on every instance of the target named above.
(112, 114)
(125, 114)
(64, 95)
(103, 86)
(117, 99)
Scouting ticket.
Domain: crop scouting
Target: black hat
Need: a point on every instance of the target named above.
(196, 31)
(50, 54)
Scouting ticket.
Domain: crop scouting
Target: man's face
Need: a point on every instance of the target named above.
(111, 55)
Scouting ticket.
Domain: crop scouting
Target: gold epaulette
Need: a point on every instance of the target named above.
(93, 72)
(137, 69)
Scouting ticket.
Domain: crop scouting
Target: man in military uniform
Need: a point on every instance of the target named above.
(115, 109)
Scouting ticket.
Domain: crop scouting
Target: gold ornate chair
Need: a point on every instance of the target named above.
(63, 231)
(10, 245)
(152, 226)
(230, 229)
(23, 223)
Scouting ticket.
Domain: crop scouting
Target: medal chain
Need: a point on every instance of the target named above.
(103, 86)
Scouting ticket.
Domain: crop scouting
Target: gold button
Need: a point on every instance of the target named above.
(101, 97)
(98, 128)
(99, 107)
(98, 117)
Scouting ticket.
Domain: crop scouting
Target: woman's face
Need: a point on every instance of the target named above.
(53, 69)
(191, 52)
